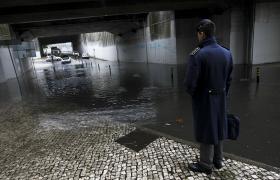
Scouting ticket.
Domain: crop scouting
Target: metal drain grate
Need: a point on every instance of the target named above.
(137, 140)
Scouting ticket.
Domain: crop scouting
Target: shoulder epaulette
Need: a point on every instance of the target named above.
(195, 51)
(225, 47)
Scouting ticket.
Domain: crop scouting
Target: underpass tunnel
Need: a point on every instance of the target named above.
(132, 55)
(155, 35)
(163, 37)
(158, 35)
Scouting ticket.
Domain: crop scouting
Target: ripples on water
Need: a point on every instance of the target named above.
(127, 94)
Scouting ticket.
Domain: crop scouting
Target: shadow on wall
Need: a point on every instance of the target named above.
(155, 43)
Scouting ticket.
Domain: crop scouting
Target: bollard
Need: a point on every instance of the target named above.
(172, 74)
(172, 78)
(110, 70)
(98, 67)
(258, 74)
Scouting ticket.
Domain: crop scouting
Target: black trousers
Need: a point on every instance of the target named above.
(210, 153)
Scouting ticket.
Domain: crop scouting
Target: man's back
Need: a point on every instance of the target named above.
(215, 66)
(208, 81)
(209, 68)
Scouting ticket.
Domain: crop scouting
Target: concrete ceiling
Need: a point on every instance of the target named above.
(47, 18)
(114, 24)
(25, 11)
(69, 29)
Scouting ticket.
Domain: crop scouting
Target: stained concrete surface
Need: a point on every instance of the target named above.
(137, 140)
(152, 96)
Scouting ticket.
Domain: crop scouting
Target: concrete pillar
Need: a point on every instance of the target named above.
(2, 74)
(186, 39)
(223, 26)
(267, 36)
(242, 32)
(161, 37)
(6, 66)
(238, 36)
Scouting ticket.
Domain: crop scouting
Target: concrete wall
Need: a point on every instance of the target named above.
(2, 73)
(223, 27)
(267, 33)
(186, 39)
(132, 47)
(19, 55)
(106, 53)
(175, 38)
(6, 66)
(37, 48)
(22, 54)
(156, 43)
(100, 45)
(163, 49)
(237, 36)
(9, 86)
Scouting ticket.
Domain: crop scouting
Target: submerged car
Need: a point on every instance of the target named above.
(76, 53)
(51, 58)
(66, 59)
(85, 56)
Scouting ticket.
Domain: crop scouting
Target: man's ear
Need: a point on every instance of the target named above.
(202, 34)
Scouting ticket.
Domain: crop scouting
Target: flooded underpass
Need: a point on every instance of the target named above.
(94, 89)
(58, 96)
(65, 109)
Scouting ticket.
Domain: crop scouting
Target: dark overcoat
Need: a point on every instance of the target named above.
(207, 81)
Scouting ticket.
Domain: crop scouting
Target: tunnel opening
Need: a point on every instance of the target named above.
(128, 64)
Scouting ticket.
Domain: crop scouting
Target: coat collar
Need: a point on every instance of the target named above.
(208, 41)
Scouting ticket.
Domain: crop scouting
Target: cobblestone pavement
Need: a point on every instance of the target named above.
(81, 145)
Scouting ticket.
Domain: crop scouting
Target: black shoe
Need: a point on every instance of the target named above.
(218, 165)
(196, 167)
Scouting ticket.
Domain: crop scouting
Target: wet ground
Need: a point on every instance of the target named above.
(83, 145)
(150, 95)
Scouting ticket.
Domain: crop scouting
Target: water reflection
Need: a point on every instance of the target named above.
(153, 95)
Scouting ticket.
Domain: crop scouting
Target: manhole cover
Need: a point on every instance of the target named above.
(137, 140)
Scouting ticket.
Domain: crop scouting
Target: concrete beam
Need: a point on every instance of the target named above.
(114, 24)
(41, 2)
(34, 13)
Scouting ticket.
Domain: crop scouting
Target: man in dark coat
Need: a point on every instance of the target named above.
(207, 81)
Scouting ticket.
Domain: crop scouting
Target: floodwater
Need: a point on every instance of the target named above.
(153, 96)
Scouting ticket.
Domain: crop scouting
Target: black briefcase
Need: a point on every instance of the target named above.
(233, 126)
